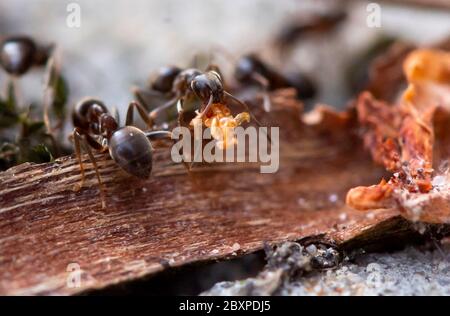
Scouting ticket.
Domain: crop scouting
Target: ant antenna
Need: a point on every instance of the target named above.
(245, 106)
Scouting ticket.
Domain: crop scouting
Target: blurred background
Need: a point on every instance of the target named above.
(119, 43)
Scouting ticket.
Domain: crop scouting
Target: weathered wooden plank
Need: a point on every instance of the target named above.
(176, 218)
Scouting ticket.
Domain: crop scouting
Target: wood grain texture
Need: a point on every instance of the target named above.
(176, 218)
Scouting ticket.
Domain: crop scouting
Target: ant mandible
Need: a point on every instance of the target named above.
(128, 146)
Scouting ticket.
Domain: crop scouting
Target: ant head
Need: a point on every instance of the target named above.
(82, 115)
(247, 66)
(165, 78)
(132, 151)
(17, 55)
(207, 84)
(108, 125)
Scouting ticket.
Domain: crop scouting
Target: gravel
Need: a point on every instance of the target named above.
(408, 272)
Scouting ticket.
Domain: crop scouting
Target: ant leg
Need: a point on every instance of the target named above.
(142, 112)
(158, 135)
(245, 106)
(154, 113)
(261, 80)
(148, 118)
(76, 139)
(97, 173)
(115, 114)
(145, 95)
(203, 113)
(180, 111)
(79, 139)
(164, 135)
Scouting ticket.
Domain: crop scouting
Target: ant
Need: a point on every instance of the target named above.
(181, 85)
(250, 69)
(171, 82)
(318, 23)
(128, 146)
(20, 53)
(160, 85)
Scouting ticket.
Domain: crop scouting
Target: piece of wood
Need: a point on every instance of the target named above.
(176, 218)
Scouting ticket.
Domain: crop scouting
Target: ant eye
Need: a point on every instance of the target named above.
(17, 55)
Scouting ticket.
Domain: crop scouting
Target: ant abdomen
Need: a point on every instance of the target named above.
(132, 151)
(163, 81)
(247, 66)
(17, 54)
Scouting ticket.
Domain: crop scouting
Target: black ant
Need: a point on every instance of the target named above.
(181, 85)
(20, 53)
(160, 85)
(208, 87)
(128, 146)
(250, 69)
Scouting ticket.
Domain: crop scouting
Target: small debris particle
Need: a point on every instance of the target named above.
(333, 198)
(439, 181)
(373, 267)
(301, 202)
(311, 249)
(370, 215)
